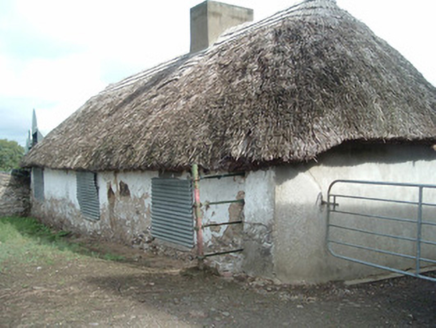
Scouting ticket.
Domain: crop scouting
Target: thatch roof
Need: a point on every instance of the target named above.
(284, 89)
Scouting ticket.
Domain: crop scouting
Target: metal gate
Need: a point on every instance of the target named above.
(390, 226)
(198, 216)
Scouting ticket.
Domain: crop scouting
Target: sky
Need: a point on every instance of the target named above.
(55, 55)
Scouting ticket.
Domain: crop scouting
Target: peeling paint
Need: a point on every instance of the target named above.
(284, 224)
(124, 189)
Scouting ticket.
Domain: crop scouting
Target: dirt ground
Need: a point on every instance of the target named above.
(150, 291)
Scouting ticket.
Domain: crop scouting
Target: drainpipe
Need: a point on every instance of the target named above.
(198, 218)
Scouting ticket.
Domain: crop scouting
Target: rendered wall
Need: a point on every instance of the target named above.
(284, 229)
(300, 253)
(124, 204)
(225, 237)
(259, 223)
(125, 209)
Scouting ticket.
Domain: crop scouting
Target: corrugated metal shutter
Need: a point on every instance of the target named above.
(171, 211)
(87, 195)
(38, 184)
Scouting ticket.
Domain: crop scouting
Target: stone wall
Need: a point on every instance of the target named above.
(14, 194)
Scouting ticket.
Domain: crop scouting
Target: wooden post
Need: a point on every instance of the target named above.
(198, 218)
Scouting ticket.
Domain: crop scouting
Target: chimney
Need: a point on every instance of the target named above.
(210, 19)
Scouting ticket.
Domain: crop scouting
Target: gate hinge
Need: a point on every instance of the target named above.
(323, 202)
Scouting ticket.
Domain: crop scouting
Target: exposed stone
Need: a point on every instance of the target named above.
(14, 194)
(124, 189)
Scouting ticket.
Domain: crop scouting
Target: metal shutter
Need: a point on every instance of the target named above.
(38, 184)
(87, 195)
(171, 211)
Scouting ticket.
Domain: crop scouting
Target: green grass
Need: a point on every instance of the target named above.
(25, 240)
(113, 257)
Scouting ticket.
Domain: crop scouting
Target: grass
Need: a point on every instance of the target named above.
(25, 240)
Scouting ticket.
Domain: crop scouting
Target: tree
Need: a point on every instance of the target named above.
(10, 154)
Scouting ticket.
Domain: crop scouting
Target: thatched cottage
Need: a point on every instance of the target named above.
(279, 108)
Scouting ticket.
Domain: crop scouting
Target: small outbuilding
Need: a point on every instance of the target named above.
(271, 113)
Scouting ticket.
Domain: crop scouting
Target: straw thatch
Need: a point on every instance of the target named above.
(281, 90)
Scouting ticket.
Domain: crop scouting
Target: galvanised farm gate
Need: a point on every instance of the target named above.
(389, 226)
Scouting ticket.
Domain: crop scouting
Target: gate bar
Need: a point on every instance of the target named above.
(374, 233)
(376, 216)
(378, 266)
(383, 200)
(225, 202)
(379, 183)
(381, 216)
(378, 199)
(411, 257)
(382, 251)
(219, 176)
(223, 253)
(221, 224)
(423, 241)
(418, 231)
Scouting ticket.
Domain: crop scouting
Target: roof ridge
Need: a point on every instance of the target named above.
(229, 35)
(271, 20)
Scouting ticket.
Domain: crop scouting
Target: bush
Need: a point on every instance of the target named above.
(10, 155)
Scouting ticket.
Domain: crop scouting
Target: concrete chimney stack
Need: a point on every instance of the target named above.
(211, 18)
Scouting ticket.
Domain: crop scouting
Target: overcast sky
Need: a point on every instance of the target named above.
(54, 55)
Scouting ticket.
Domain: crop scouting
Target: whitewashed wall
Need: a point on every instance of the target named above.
(121, 217)
(300, 253)
(125, 217)
(259, 223)
(226, 237)
(284, 230)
